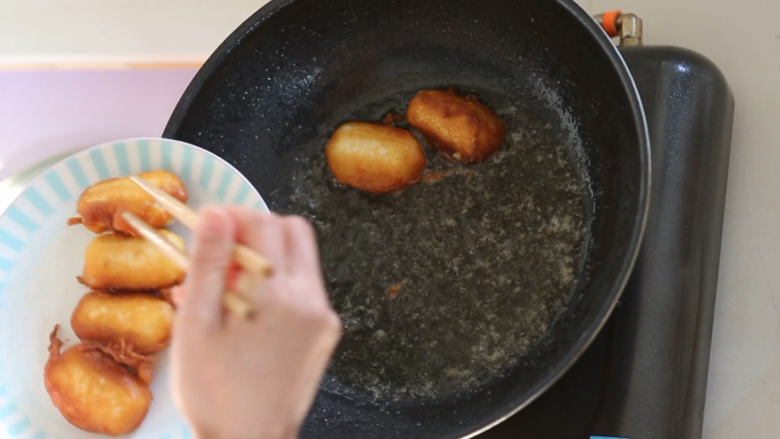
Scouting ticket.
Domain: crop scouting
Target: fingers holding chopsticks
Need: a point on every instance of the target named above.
(287, 243)
(290, 244)
(268, 234)
(255, 229)
(264, 234)
(213, 242)
(283, 350)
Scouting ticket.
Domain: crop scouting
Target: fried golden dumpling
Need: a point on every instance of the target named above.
(375, 158)
(93, 391)
(142, 321)
(101, 205)
(460, 128)
(121, 262)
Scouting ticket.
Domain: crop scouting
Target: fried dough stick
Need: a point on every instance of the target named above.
(375, 158)
(101, 205)
(459, 127)
(121, 262)
(141, 321)
(93, 391)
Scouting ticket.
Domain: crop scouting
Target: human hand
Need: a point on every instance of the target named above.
(235, 378)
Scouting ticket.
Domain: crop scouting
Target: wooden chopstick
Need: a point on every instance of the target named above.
(244, 256)
(233, 301)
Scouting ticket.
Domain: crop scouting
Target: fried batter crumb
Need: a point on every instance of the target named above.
(393, 290)
(435, 177)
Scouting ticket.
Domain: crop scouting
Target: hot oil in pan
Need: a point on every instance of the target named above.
(445, 285)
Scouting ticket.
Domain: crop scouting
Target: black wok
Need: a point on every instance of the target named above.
(274, 91)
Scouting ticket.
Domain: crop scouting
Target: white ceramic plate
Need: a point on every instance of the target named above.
(40, 257)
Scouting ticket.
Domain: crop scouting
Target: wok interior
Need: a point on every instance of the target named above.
(294, 78)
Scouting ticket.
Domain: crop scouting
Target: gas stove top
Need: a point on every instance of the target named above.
(645, 376)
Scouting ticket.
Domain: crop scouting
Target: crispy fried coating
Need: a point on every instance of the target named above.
(94, 392)
(101, 206)
(140, 365)
(120, 262)
(460, 128)
(142, 321)
(375, 158)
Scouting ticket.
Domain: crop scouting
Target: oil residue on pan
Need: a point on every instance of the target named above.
(444, 286)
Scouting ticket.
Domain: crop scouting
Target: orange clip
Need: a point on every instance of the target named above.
(609, 22)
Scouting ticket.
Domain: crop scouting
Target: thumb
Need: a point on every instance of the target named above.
(211, 256)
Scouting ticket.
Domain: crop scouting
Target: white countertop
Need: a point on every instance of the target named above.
(743, 39)
(118, 29)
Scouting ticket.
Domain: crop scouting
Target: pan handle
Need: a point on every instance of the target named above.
(626, 26)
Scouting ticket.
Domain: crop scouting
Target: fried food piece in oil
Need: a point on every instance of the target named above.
(120, 262)
(375, 158)
(101, 206)
(93, 391)
(140, 320)
(460, 128)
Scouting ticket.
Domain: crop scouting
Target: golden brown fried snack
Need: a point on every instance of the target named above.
(121, 262)
(140, 320)
(100, 206)
(94, 392)
(460, 128)
(375, 158)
